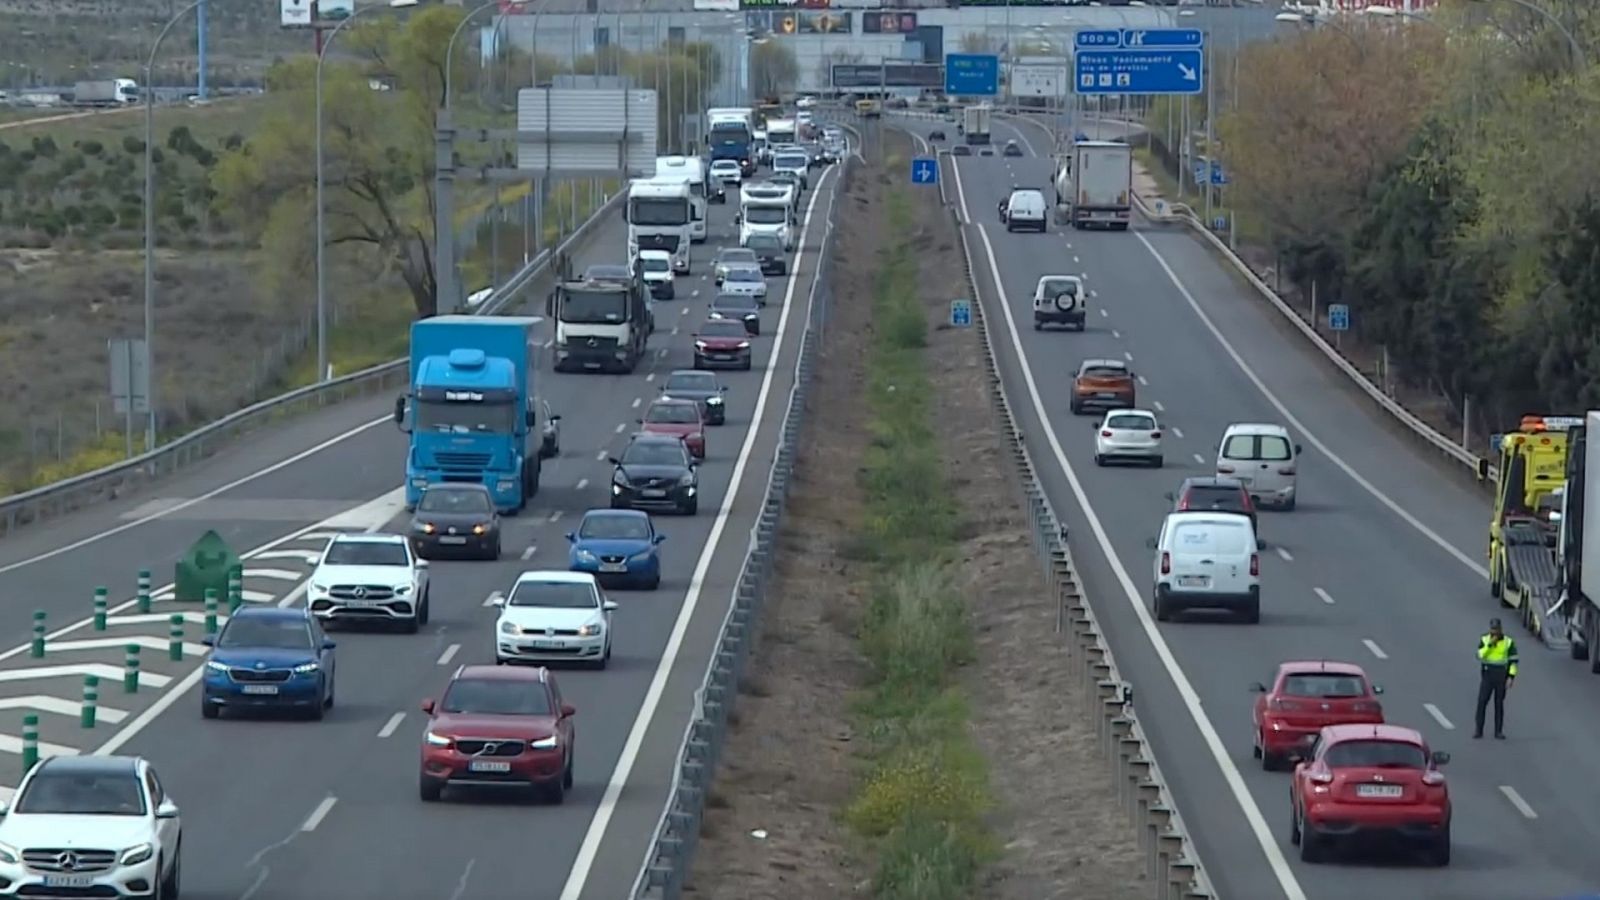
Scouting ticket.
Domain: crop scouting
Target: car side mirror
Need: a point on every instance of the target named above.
(422, 564)
(1260, 544)
(209, 640)
(722, 389)
(550, 304)
(1377, 689)
(638, 421)
(658, 539)
(1170, 497)
(1441, 758)
(427, 706)
(529, 417)
(614, 461)
(1258, 688)
(329, 643)
(568, 711)
(1298, 450)
(4, 808)
(499, 602)
(399, 410)
(167, 810)
(572, 537)
(609, 606)
(1150, 543)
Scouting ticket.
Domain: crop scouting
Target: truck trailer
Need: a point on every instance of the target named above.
(975, 124)
(1094, 185)
(1576, 547)
(109, 92)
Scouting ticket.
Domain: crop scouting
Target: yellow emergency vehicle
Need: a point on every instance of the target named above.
(1522, 535)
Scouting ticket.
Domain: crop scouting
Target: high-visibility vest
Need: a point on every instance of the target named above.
(1499, 654)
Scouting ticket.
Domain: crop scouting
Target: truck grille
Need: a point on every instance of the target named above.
(75, 862)
(462, 460)
(362, 592)
(665, 242)
(259, 676)
(480, 747)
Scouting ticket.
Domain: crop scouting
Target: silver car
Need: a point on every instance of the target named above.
(746, 280)
(730, 257)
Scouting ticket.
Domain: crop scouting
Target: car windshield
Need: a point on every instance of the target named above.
(1376, 754)
(724, 166)
(790, 161)
(615, 528)
(1131, 422)
(730, 255)
(654, 453)
(366, 553)
(607, 273)
(1256, 447)
(722, 328)
(1213, 497)
(672, 414)
(697, 382)
(275, 633)
(1104, 372)
(496, 697)
(1055, 287)
(1324, 685)
(454, 500)
(736, 302)
(1208, 537)
(744, 275)
(766, 215)
(656, 265)
(82, 794)
(553, 595)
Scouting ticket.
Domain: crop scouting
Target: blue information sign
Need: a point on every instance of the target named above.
(971, 74)
(1139, 72)
(960, 313)
(924, 170)
(1108, 39)
(1151, 38)
(1338, 317)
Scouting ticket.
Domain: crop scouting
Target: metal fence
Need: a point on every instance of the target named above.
(112, 481)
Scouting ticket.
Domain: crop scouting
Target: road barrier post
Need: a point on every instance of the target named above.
(36, 648)
(175, 640)
(211, 610)
(100, 608)
(130, 670)
(144, 590)
(30, 742)
(235, 589)
(91, 700)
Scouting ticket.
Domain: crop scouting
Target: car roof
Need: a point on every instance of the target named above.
(1256, 428)
(696, 373)
(503, 673)
(1212, 481)
(375, 537)
(722, 250)
(654, 254)
(1102, 364)
(91, 765)
(556, 576)
(603, 513)
(651, 437)
(675, 401)
(1321, 665)
(1129, 412)
(270, 612)
(723, 322)
(1333, 734)
(1209, 517)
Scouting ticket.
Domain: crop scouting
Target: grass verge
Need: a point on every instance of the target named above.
(926, 789)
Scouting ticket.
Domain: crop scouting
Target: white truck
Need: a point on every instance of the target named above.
(1578, 547)
(692, 171)
(1094, 185)
(660, 218)
(110, 92)
(782, 131)
(768, 209)
(975, 124)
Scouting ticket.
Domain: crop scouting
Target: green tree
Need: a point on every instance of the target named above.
(773, 69)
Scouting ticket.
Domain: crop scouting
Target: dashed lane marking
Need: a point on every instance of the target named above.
(1285, 555)
(1438, 716)
(449, 654)
(1517, 801)
(320, 813)
(1323, 595)
(1372, 645)
(389, 727)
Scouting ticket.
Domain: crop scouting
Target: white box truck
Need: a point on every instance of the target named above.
(1094, 185)
(975, 124)
(109, 92)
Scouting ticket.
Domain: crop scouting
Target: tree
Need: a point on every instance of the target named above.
(978, 42)
(773, 69)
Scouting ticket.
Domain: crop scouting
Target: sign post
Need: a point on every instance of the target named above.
(1338, 321)
(130, 382)
(924, 170)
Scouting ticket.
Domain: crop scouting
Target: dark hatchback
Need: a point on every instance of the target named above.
(743, 308)
(769, 251)
(456, 519)
(701, 387)
(655, 472)
(720, 343)
(1211, 493)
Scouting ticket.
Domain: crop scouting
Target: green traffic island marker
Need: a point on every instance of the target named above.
(130, 669)
(30, 742)
(91, 700)
(101, 608)
(175, 638)
(36, 646)
(143, 589)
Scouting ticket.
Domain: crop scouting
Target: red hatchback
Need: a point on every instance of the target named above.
(1304, 698)
(1371, 781)
(498, 726)
(680, 419)
(722, 342)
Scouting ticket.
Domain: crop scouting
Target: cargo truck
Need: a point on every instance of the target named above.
(1094, 185)
(730, 134)
(1523, 531)
(471, 409)
(975, 124)
(110, 92)
(1577, 549)
(601, 325)
(660, 215)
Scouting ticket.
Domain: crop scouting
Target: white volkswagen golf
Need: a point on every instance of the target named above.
(1128, 435)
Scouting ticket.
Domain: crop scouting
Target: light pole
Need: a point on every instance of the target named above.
(322, 242)
(1579, 60)
(450, 48)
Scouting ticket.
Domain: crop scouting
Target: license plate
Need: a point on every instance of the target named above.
(1105, 396)
(548, 645)
(360, 604)
(722, 356)
(452, 540)
(613, 567)
(654, 493)
(267, 690)
(68, 881)
(1193, 580)
(488, 765)
(1379, 790)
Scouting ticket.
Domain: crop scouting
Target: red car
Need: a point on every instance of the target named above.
(1371, 781)
(1305, 698)
(498, 726)
(679, 418)
(722, 342)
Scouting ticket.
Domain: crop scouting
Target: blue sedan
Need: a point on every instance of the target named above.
(269, 658)
(619, 546)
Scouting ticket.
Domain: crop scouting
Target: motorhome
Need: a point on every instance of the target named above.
(690, 169)
(660, 217)
(768, 209)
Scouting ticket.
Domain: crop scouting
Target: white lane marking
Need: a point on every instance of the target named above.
(1517, 801)
(1438, 717)
(650, 377)
(9, 744)
(1143, 382)
(621, 427)
(583, 483)
(578, 875)
(1284, 554)
(1176, 432)
(675, 328)
(603, 453)
(555, 516)
(1103, 313)
(1323, 595)
(1199, 459)
(193, 501)
(489, 600)
(682, 312)
(1076, 260)
(1220, 753)
(1128, 356)
(1300, 426)
(306, 556)
(529, 551)
(449, 654)
(389, 727)
(1372, 645)
(548, 344)
(320, 813)
(274, 574)
(102, 671)
(61, 707)
(1116, 334)
(637, 401)
(147, 641)
(1156, 404)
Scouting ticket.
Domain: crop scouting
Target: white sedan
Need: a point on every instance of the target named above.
(727, 171)
(554, 616)
(746, 280)
(1131, 435)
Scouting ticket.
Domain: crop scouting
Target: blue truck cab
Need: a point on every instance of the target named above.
(471, 410)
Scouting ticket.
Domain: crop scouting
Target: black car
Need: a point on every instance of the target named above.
(744, 308)
(1012, 149)
(936, 135)
(987, 151)
(961, 150)
(655, 471)
(701, 387)
(769, 251)
(456, 518)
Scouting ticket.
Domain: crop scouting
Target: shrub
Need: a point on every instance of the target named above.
(132, 146)
(92, 148)
(45, 146)
(917, 785)
(921, 860)
(915, 630)
(72, 216)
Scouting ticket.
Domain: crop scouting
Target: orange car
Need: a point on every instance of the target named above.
(1102, 384)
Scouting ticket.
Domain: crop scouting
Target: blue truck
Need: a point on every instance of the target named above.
(472, 409)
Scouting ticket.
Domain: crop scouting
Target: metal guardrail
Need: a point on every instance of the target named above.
(111, 481)
(667, 864)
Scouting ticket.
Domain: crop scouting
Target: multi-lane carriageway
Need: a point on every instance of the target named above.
(1381, 564)
(294, 810)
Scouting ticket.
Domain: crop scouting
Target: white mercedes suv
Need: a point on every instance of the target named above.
(370, 578)
(90, 826)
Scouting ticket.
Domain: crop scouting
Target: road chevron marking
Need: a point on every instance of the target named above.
(60, 707)
(101, 670)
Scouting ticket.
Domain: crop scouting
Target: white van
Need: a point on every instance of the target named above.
(1024, 209)
(1263, 459)
(1207, 560)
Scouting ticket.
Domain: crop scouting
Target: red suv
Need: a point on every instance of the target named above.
(498, 726)
(1370, 781)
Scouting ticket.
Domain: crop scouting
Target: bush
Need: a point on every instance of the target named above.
(132, 146)
(922, 860)
(92, 148)
(916, 631)
(919, 785)
(45, 146)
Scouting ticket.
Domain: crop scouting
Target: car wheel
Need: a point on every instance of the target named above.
(556, 792)
(1439, 853)
(172, 881)
(413, 624)
(425, 607)
(209, 710)
(429, 789)
(699, 363)
(1163, 607)
(1289, 506)
(317, 712)
(692, 507)
(1099, 460)
(1270, 762)
(567, 777)
(1252, 612)
(1294, 822)
(1038, 325)
(501, 660)
(652, 584)
(1077, 409)
(1310, 844)
(494, 551)
(327, 702)
(1157, 462)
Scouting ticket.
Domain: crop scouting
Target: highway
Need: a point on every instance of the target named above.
(1381, 564)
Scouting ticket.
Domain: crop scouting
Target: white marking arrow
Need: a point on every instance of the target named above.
(60, 707)
(100, 670)
(9, 744)
(1186, 72)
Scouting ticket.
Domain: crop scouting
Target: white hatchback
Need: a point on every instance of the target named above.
(1131, 435)
(554, 616)
(1263, 459)
(1207, 560)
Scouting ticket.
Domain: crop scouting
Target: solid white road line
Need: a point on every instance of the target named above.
(1438, 716)
(389, 727)
(1517, 801)
(1372, 645)
(449, 654)
(320, 813)
(1220, 753)
(1323, 595)
(578, 875)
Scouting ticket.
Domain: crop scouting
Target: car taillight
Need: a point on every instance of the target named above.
(1286, 470)
(1375, 708)
(1105, 434)
(1432, 778)
(1226, 470)
(1282, 705)
(1183, 505)
(1322, 778)
(1156, 435)
(1255, 564)
(1166, 563)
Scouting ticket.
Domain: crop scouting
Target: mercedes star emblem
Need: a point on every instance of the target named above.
(67, 861)
(360, 592)
(593, 342)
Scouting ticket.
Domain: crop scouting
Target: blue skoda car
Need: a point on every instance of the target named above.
(269, 658)
(619, 546)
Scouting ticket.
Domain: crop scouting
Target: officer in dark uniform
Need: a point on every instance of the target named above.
(1497, 669)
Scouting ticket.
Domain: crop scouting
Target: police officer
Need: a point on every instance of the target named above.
(1497, 669)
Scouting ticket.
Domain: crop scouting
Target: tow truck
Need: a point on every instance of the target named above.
(1523, 533)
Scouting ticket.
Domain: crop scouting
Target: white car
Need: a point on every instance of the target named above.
(552, 615)
(1207, 560)
(727, 171)
(656, 265)
(1264, 459)
(1132, 435)
(90, 826)
(369, 578)
(746, 280)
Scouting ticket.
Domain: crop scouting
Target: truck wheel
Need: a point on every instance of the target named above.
(531, 470)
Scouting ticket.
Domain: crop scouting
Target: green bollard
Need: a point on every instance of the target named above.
(101, 608)
(211, 610)
(175, 643)
(91, 700)
(30, 742)
(36, 649)
(235, 589)
(144, 590)
(130, 670)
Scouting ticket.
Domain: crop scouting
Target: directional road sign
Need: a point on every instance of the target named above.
(1151, 38)
(1338, 317)
(960, 313)
(971, 74)
(1139, 72)
(1108, 39)
(924, 170)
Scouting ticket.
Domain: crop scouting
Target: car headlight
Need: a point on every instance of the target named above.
(744, 345)
(479, 529)
(137, 854)
(700, 345)
(713, 401)
(687, 479)
(307, 668)
(508, 628)
(589, 630)
(215, 666)
(319, 588)
(9, 854)
(425, 527)
(617, 477)
(584, 555)
(436, 740)
(549, 743)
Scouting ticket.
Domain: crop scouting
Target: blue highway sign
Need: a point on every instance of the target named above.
(1338, 317)
(1108, 39)
(971, 74)
(1152, 38)
(960, 313)
(924, 170)
(1139, 72)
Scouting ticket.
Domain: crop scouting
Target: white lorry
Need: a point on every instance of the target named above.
(975, 124)
(660, 218)
(692, 171)
(782, 131)
(768, 209)
(111, 92)
(1094, 185)
(1578, 547)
